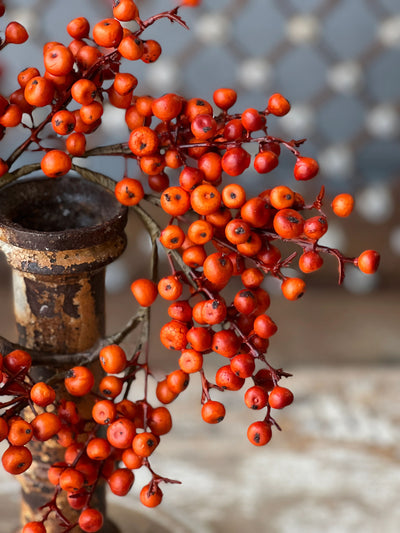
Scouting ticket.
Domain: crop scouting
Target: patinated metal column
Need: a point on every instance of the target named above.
(58, 236)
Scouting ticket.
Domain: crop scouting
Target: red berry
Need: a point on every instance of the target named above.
(90, 520)
(305, 168)
(259, 433)
(280, 397)
(368, 261)
(278, 105)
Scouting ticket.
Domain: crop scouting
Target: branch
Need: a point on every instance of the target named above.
(120, 149)
(95, 177)
(171, 15)
(9, 177)
(132, 324)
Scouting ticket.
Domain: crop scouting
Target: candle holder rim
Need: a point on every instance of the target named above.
(100, 202)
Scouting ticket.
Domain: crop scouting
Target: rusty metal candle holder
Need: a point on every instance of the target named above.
(58, 236)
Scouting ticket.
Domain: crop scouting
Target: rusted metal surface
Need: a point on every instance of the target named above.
(58, 236)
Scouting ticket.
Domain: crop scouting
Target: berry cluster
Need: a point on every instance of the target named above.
(214, 233)
(132, 432)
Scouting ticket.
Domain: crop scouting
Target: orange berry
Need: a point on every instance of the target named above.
(59, 60)
(120, 101)
(288, 223)
(264, 326)
(368, 261)
(235, 161)
(45, 426)
(343, 204)
(213, 311)
(280, 397)
(39, 91)
(205, 199)
(233, 196)
(76, 144)
(143, 141)
(111, 386)
(133, 118)
(265, 161)
(243, 365)
(131, 460)
(151, 51)
(104, 412)
(144, 444)
(256, 397)
(34, 527)
(218, 268)
(281, 197)
(11, 117)
(160, 421)
(315, 227)
(224, 98)
(129, 191)
(164, 393)
(87, 56)
(98, 449)
(83, 91)
(121, 481)
(278, 105)
(42, 394)
(63, 122)
(113, 359)
(237, 231)
(175, 201)
(252, 119)
(90, 520)
(226, 343)
(190, 361)
(169, 288)
(213, 412)
(79, 381)
(145, 291)
(259, 433)
(173, 335)
(167, 107)
(177, 381)
(124, 83)
(252, 278)
(172, 237)
(227, 379)
(131, 48)
(71, 480)
(120, 433)
(310, 261)
(15, 33)
(56, 163)
(305, 168)
(108, 33)
(16, 460)
(257, 212)
(20, 432)
(293, 288)
(125, 10)
(78, 28)
(210, 165)
(151, 495)
(91, 113)
(27, 74)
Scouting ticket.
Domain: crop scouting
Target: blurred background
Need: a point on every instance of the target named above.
(335, 467)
